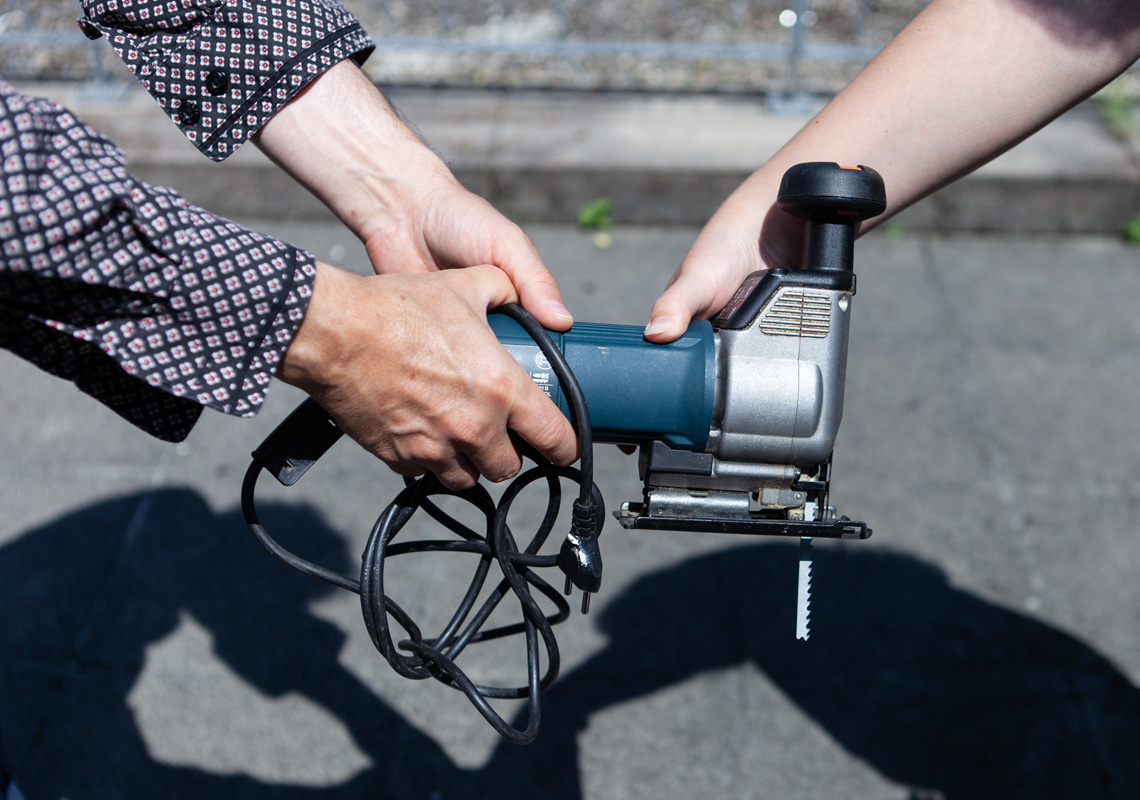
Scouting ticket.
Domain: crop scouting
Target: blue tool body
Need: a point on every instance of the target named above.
(636, 391)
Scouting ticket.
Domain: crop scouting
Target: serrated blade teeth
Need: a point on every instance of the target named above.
(803, 594)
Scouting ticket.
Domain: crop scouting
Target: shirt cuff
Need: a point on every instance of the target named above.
(219, 69)
(149, 304)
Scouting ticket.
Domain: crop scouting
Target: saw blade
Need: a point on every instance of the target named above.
(803, 594)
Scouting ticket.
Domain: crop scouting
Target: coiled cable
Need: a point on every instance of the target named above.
(303, 437)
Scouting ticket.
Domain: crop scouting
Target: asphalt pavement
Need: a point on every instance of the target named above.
(982, 644)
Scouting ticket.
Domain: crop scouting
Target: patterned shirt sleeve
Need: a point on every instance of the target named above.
(221, 68)
(147, 303)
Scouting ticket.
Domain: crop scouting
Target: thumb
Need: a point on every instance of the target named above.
(690, 294)
(670, 316)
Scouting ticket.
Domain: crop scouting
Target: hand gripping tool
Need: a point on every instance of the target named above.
(735, 422)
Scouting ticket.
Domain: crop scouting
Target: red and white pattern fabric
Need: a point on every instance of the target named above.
(145, 302)
(149, 304)
(221, 68)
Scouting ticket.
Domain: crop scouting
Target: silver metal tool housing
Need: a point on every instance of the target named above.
(782, 400)
(775, 419)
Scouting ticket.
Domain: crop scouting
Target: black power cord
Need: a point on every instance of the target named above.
(308, 432)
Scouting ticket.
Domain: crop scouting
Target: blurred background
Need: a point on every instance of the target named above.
(654, 45)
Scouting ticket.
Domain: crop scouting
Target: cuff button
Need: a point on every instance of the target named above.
(89, 29)
(217, 82)
(188, 113)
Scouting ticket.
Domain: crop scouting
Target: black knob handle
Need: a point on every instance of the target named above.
(832, 200)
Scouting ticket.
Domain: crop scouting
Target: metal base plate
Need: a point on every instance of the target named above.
(631, 515)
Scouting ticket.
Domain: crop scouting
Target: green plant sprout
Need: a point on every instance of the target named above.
(1132, 230)
(597, 215)
(1117, 104)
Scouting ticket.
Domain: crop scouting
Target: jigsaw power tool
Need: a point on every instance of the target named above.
(736, 420)
(735, 424)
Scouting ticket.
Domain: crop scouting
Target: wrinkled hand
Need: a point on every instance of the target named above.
(444, 226)
(408, 367)
(735, 242)
(342, 140)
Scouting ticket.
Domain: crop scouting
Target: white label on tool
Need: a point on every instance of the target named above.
(530, 354)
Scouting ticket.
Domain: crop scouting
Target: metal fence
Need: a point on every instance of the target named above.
(775, 46)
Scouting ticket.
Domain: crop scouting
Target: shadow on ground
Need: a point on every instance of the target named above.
(930, 686)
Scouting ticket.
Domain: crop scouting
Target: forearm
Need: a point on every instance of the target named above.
(342, 140)
(965, 81)
(344, 143)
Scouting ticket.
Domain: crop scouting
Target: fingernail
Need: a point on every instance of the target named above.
(658, 325)
(559, 310)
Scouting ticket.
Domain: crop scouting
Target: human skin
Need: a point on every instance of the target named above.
(420, 389)
(404, 361)
(341, 139)
(965, 81)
